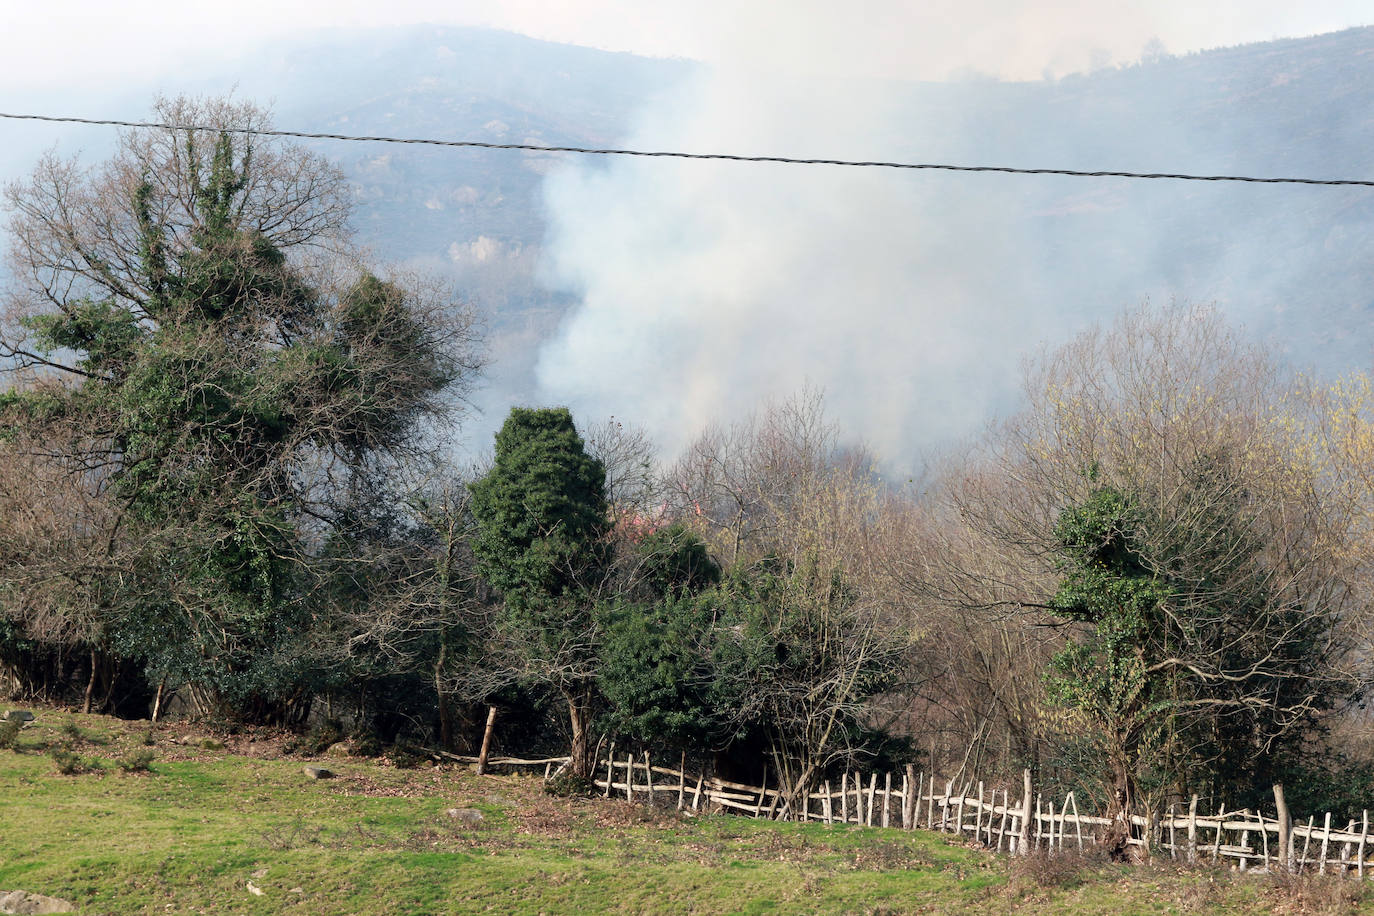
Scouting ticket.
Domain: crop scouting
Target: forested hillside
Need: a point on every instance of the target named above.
(228, 487)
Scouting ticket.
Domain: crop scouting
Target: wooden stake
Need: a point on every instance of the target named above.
(681, 780)
(959, 813)
(1306, 840)
(856, 781)
(1173, 839)
(1285, 829)
(1192, 830)
(978, 817)
(887, 797)
(696, 797)
(1245, 842)
(826, 808)
(1001, 824)
(1062, 809)
(1364, 831)
(1023, 841)
(610, 769)
(908, 785)
(1221, 819)
(1077, 821)
(872, 786)
(844, 797)
(763, 791)
(629, 777)
(1326, 839)
(486, 740)
(1264, 839)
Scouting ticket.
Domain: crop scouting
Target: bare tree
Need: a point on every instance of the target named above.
(75, 235)
(823, 638)
(1198, 439)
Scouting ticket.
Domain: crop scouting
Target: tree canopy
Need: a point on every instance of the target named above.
(227, 404)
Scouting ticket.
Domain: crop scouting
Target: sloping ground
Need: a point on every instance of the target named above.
(243, 830)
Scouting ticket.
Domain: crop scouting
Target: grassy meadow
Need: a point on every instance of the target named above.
(231, 824)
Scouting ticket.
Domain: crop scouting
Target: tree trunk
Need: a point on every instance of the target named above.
(157, 698)
(90, 685)
(579, 717)
(445, 707)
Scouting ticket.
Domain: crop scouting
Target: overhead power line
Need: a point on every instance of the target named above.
(669, 154)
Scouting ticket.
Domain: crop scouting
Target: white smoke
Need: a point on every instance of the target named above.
(910, 298)
(708, 287)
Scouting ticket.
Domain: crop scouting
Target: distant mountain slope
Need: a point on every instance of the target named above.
(1293, 263)
(1295, 107)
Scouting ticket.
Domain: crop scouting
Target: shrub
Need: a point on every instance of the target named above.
(407, 757)
(367, 745)
(1063, 868)
(1306, 892)
(139, 761)
(321, 738)
(69, 762)
(566, 785)
(9, 734)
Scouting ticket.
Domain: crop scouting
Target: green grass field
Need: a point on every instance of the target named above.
(193, 834)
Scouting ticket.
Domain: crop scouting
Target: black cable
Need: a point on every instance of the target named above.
(729, 157)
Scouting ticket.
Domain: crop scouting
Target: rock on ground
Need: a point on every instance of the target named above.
(465, 815)
(24, 902)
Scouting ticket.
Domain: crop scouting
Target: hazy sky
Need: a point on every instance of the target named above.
(70, 42)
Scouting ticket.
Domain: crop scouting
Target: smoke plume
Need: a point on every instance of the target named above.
(912, 298)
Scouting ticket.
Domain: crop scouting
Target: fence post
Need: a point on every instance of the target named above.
(1364, 832)
(1285, 829)
(486, 740)
(1006, 811)
(1077, 821)
(978, 818)
(959, 812)
(1192, 829)
(908, 786)
(1326, 841)
(1023, 842)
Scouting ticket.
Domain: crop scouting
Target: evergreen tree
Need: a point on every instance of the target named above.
(542, 543)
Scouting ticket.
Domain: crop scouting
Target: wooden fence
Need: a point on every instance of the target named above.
(1248, 840)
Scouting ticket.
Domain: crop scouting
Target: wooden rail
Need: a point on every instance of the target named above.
(1249, 840)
